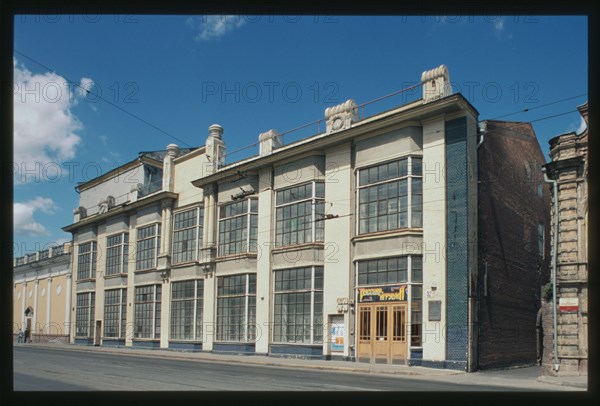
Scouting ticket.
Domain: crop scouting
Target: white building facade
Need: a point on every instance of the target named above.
(357, 243)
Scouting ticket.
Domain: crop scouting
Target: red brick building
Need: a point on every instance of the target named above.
(513, 244)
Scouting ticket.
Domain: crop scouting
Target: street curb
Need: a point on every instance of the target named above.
(133, 352)
(557, 381)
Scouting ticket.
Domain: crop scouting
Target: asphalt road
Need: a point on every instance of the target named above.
(41, 369)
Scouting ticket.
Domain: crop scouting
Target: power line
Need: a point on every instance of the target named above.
(536, 107)
(318, 122)
(102, 98)
(433, 132)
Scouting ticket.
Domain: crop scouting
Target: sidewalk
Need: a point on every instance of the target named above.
(519, 378)
(580, 381)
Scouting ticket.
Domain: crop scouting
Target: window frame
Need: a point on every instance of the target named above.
(223, 333)
(248, 245)
(90, 310)
(156, 312)
(410, 177)
(140, 248)
(123, 263)
(121, 319)
(317, 203)
(197, 301)
(313, 291)
(91, 261)
(198, 227)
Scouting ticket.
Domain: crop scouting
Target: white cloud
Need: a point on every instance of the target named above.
(214, 26)
(581, 127)
(499, 25)
(45, 128)
(578, 126)
(113, 158)
(104, 139)
(499, 29)
(85, 86)
(23, 219)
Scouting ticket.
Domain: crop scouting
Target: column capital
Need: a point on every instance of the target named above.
(209, 189)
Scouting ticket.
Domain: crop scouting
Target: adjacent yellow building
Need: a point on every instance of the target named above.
(42, 294)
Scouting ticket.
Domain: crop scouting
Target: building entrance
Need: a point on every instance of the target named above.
(382, 332)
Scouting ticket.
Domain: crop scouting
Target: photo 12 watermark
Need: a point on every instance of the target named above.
(269, 92)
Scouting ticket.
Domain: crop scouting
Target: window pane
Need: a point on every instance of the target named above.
(416, 166)
(417, 269)
(292, 310)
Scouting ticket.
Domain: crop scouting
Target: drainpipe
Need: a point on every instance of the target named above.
(554, 253)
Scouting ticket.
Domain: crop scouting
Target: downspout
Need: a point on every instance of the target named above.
(554, 253)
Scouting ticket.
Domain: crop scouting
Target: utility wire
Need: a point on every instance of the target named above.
(433, 132)
(107, 101)
(536, 107)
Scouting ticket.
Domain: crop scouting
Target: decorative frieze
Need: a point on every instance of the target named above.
(341, 117)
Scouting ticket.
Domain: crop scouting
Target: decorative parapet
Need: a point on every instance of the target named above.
(41, 255)
(269, 141)
(136, 192)
(341, 117)
(79, 214)
(105, 204)
(215, 147)
(436, 84)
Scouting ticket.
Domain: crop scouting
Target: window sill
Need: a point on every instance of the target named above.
(86, 280)
(115, 275)
(249, 342)
(296, 247)
(142, 271)
(388, 234)
(316, 345)
(236, 256)
(184, 264)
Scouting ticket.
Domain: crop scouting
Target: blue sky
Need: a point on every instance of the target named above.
(251, 74)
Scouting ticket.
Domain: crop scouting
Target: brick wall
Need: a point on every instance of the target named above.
(569, 168)
(510, 210)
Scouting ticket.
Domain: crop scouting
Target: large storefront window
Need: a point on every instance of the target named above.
(392, 272)
(115, 313)
(299, 212)
(186, 310)
(86, 260)
(298, 309)
(187, 234)
(390, 196)
(117, 252)
(84, 314)
(236, 308)
(238, 227)
(147, 311)
(148, 246)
